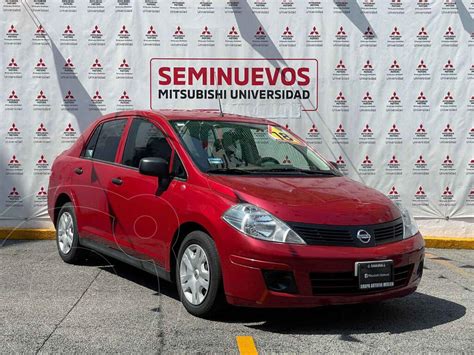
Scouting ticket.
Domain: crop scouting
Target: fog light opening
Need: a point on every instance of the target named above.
(280, 281)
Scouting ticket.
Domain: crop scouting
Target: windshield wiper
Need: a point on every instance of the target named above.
(231, 171)
(296, 170)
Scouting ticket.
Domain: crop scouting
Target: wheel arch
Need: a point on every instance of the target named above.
(60, 201)
(182, 231)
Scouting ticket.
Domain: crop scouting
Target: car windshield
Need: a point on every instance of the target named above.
(235, 148)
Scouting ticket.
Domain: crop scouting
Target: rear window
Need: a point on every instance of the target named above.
(89, 151)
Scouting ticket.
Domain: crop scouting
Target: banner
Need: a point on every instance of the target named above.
(384, 88)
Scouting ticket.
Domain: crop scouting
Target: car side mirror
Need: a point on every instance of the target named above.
(156, 167)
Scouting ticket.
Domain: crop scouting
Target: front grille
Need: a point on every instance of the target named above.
(389, 233)
(343, 283)
(319, 234)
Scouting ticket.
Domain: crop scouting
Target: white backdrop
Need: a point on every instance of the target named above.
(389, 86)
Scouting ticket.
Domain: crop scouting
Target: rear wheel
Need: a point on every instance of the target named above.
(198, 275)
(67, 237)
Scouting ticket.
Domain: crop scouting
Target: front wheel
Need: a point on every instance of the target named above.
(198, 275)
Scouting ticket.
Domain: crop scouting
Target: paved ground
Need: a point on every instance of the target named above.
(49, 306)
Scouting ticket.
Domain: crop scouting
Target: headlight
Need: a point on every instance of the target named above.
(410, 228)
(258, 223)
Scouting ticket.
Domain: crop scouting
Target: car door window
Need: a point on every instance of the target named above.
(109, 139)
(144, 140)
(89, 151)
(178, 168)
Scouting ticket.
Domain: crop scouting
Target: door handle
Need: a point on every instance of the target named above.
(78, 171)
(117, 181)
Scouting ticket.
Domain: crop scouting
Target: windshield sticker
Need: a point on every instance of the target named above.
(215, 161)
(281, 135)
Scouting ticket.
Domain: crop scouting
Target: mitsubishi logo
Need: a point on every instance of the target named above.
(363, 236)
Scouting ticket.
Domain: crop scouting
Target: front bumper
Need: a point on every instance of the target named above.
(245, 285)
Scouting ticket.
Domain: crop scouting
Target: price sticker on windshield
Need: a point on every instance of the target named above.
(281, 135)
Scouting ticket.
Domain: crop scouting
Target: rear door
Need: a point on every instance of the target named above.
(98, 216)
(81, 189)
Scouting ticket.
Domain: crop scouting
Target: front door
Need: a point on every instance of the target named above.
(144, 220)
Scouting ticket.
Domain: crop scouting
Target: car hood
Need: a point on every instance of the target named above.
(318, 200)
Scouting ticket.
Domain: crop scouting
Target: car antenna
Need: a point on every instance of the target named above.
(219, 99)
(220, 107)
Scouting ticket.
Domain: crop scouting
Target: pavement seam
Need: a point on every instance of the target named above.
(68, 312)
(448, 265)
(161, 334)
(452, 267)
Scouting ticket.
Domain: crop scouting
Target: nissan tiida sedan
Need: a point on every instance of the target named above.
(236, 210)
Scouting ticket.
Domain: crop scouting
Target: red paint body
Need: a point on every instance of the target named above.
(130, 217)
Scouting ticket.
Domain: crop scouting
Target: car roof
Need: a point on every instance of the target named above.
(196, 114)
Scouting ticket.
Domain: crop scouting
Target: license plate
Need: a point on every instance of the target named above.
(374, 274)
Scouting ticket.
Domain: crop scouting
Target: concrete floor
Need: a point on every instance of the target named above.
(105, 306)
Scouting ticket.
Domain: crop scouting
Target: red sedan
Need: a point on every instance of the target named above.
(235, 209)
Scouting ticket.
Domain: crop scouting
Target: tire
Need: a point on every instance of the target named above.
(212, 301)
(67, 236)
